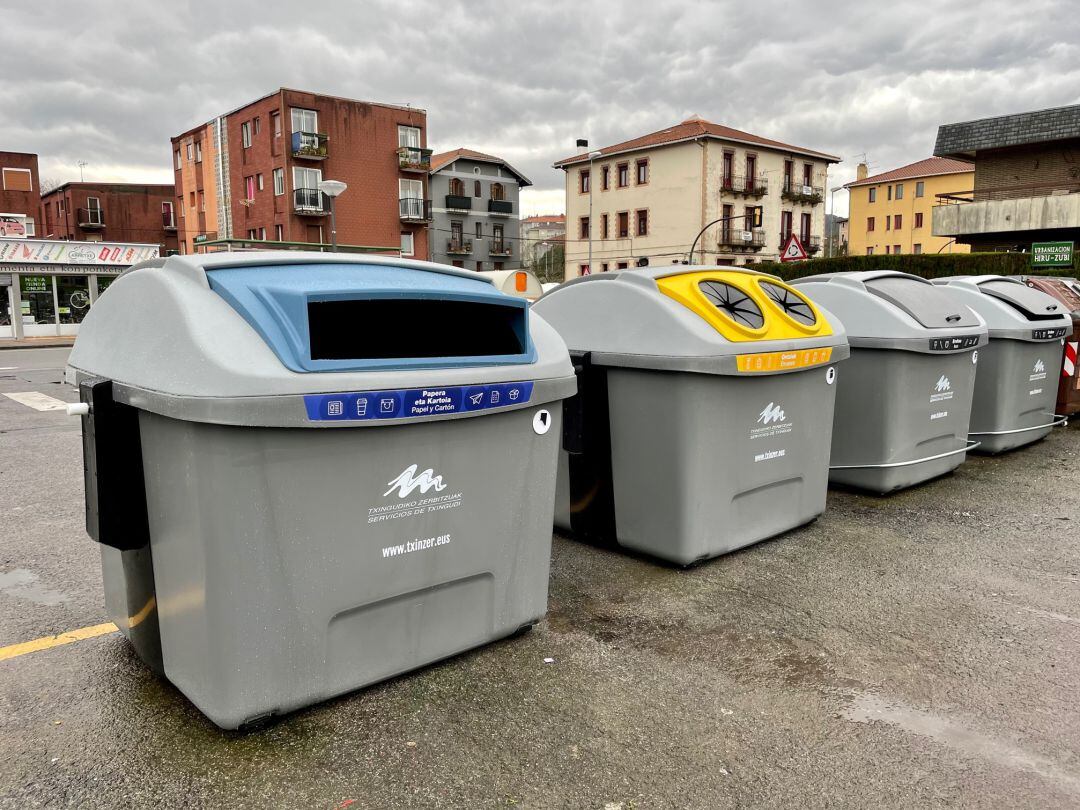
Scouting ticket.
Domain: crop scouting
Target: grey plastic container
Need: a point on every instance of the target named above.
(295, 550)
(1016, 387)
(671, 450)
(904, 401)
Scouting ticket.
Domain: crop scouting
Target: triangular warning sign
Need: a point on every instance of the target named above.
(793, 250)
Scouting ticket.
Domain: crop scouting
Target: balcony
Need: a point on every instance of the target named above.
(457, 202)
(500, 208)
(414, 159)
(812, 244)
(459, 247)
(799, 193)
(414, 209)
(737, 238)
(168, 221)
(1042, 215)
(309, 145)
(310, 202)
(500, 247)
(91, 218)
(756, 187)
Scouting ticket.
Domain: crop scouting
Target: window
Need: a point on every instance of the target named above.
(623, 170)
(920, 188)
(888, 222)
(479, 230)
(198, 151)
(190, 151)
(251, 233)
(918, 219)
(498, 266)
(180, 205)
(93, 203)
(306, 194)
(410, 189)
(245, 134)
(457, 187)
(275, 124)
(895, 248)
(583, 181)
(886, 250)
(178, 159)
(604, 267)
(605, 178)
(477, 190)
(259, 181)
(643, 222)
(498, 192)
(168, 217)
(751, 172)
(808, 174)
(789, 170)
(869, 251)
(785, 225)
(193, 201)
(304, 120)
(479, 267)
(888, 192)
(804, 229)
(729, 161)
(262, 231)
(642, 171)
(898, 222)
(408, 136)
(202, 200)
(899, 191)
(258, 127)
(869, 223)
(28, 224)
(603, 226)
(916, 248)
(624, 224)
(407, 248)
(279, 231)
(584, 228)
(873, 195)
(59, 207)
(621, 266)
(249, 187)
(279, 182)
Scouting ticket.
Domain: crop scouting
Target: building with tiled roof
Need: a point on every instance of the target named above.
(475, 210)
(644, 200)
(891, 212)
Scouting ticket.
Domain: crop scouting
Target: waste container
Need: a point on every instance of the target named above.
(903, 404)
(315, 471)
(1016, 385)
(520, 283)
(704, 412)
(1068, 396)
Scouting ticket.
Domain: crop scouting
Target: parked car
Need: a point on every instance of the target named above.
(10, 226)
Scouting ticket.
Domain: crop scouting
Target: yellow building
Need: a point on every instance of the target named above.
(891, 212)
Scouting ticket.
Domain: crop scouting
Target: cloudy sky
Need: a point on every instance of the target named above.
(108, 82)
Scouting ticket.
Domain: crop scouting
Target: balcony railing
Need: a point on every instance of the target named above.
(414, 159)
(310, 202)
(812, 244)
(458, 202)
(309, 145)
(500, 247)
(414, 209)
(459, 246)
(502, 208)
(795, 191)
(91, 218)
(751, 239)
(168, 221)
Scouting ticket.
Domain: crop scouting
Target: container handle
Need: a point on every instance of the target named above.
(1058, 420)
(970, 445)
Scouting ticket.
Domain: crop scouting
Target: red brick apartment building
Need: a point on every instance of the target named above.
(252, 175)
(111, 212)
(20, 194)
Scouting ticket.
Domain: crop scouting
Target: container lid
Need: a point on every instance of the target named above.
(720, 320)
(1035, 305)
(1059, 288)
(1011, 309)
(889, 309)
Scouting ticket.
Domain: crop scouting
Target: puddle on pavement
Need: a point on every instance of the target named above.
(868, 708)
(23, 584)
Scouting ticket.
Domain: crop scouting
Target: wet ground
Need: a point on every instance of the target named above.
(917, 650)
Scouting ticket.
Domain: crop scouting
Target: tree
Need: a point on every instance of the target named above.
(47, 184)
(550, 266)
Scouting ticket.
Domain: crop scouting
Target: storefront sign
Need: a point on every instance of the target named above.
(35, 284)
(52, 251)
(1052, 254)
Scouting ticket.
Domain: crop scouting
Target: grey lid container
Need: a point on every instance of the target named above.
(904, 398)
(345, 467)
(1016, 387)
(677, 447)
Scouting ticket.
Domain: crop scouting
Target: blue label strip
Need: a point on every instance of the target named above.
(414, 403)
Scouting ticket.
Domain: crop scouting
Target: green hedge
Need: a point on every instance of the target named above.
(927, 265)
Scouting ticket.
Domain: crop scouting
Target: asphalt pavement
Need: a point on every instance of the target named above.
(915, 650)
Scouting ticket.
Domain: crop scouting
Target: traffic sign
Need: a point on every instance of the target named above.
(793, 250)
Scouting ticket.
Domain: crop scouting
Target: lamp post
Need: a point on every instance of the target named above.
(833, 235)
(332, 188)
(592, 156)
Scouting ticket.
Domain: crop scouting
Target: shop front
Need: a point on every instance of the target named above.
(47, 286)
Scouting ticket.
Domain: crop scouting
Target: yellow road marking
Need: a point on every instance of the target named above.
(25, 647)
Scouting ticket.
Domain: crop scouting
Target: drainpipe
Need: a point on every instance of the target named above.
(704, 144)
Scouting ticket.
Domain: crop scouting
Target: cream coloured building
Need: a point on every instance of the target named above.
(644, 200)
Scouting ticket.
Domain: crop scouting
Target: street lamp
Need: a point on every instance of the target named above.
(834, 237)
(332, 188)
(592, 156)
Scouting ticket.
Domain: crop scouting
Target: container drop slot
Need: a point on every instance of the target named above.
(1032, 304)
(395, 328)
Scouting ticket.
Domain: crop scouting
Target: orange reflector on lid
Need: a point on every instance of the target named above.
(521, 282)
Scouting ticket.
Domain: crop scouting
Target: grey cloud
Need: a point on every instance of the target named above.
(110, 82)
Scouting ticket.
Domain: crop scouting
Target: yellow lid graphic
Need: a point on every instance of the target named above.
(746, 306)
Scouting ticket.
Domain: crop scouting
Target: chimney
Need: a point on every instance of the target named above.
(582, 146)
(861, 172)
